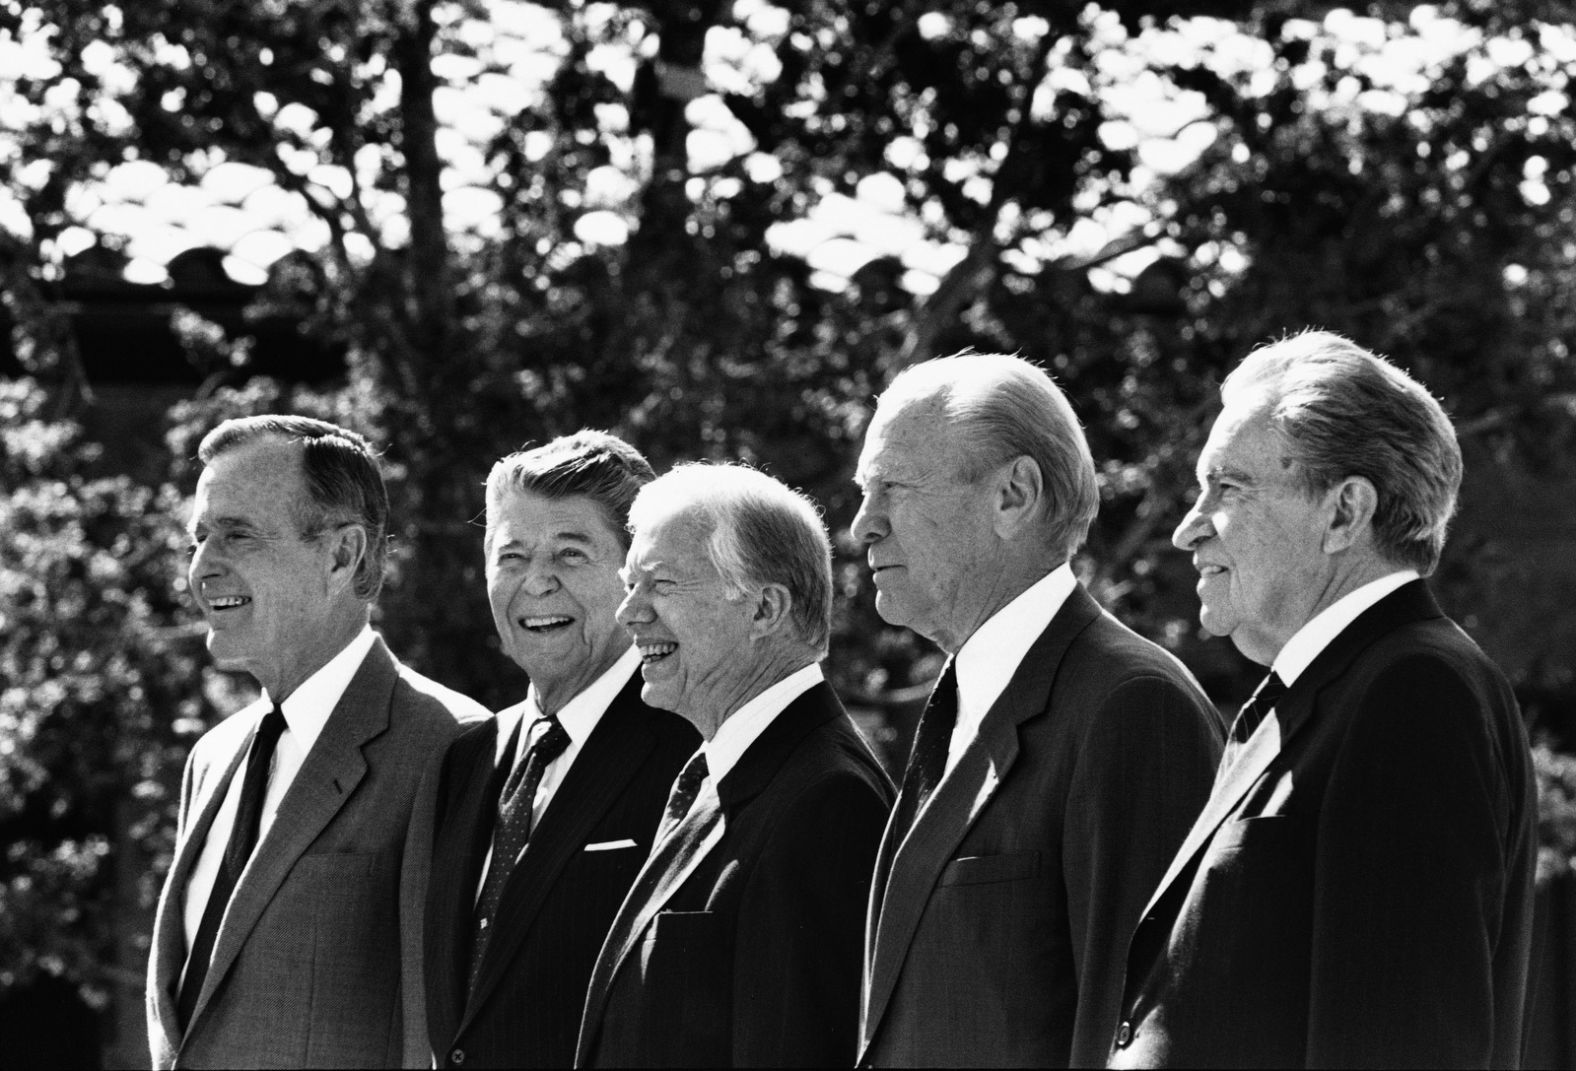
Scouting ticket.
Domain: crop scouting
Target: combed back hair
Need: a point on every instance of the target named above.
(590, 464)
(343, 482)
(1343, 411)
(1004, 407)
(760, 531)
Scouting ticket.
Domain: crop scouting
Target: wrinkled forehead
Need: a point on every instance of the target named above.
(673, 541)
(255, 480)
(1244, 438)
(911, 432)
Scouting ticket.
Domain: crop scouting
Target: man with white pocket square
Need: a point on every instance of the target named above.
(547, 810)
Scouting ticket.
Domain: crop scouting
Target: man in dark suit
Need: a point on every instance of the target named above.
(1061, 757)
(523, 890)
(290, 921)
(738, 945)
(1358, 889)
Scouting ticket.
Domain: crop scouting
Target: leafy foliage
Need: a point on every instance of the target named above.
(98, 662)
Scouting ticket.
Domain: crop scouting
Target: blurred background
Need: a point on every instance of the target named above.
(718, 228)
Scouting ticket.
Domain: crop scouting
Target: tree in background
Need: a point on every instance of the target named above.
(719, 229)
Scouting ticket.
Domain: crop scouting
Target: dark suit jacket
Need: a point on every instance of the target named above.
(1358, 891)
(525, 1011)
(754, 959)
(1008, 907)
(324, 927)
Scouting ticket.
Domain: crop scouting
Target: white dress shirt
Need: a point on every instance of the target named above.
(579, 717)
(745, 725)
(988, 659)
(306, 711)
(1308, 641)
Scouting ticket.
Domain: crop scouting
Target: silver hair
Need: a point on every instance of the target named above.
(1343, 411)
(759, 531)
(1003, 407)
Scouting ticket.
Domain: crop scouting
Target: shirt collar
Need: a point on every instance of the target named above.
(580, 715)
(745, 725)
(306, 709)
(990, 657)
(1306, 644)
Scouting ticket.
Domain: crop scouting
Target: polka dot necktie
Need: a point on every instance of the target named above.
(513, 829)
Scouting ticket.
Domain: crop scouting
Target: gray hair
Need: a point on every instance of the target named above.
(760, 531)
(342, 478)
(593, 464)
(1343, 411)
(1004, 407)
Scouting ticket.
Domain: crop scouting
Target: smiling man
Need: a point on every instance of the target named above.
(290, 921)
(1358, 889)
(738, 945)
(1061, 757)
(550, 808)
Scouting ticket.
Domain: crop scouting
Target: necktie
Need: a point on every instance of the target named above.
(243, 838)
(928, 761)
(513, 828)
(1269, 692)
(682, 797)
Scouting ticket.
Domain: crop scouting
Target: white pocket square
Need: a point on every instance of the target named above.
(611, 845)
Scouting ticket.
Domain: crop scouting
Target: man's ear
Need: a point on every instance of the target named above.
(347, 546)
(773, 605)
(1351, 504)
(1019, 491)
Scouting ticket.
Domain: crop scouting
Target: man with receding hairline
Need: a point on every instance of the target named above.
(1061, 756)
(1358, 890)
(290, 921)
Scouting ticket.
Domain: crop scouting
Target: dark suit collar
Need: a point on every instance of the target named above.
(760, 762)
(911, 865)
(1406, 605)
(1409, 603)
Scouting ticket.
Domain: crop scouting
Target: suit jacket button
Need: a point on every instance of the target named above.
(457, 1057)
(1124, 1034)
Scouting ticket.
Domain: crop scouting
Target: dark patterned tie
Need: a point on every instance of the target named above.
(513, 828)
(1269, 692)
(686, 787)
(243, 838)
(928, 761)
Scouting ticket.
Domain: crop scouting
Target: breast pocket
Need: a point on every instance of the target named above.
(686, 968)
(986, 869)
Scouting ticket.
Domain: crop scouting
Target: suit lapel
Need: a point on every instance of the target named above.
(913, 864)
(171, 939)
(457, 859)
(331, 772)
(612, 755)
(754, 771)
(1409, 603)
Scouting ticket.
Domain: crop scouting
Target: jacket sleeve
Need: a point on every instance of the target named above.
(797, 960)
(1409, 879)
(1142, 775)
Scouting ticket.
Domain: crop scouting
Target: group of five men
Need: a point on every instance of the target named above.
(677, 850)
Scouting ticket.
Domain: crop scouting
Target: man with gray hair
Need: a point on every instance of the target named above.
(291, 918)
(1358, 889)
(738, 945)
(1061, 757)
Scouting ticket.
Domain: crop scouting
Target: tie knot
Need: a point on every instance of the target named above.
(687, 787)
(271, 727)
(547, 737)
(1269, 692)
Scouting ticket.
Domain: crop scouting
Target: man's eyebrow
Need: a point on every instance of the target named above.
(1217, 473)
